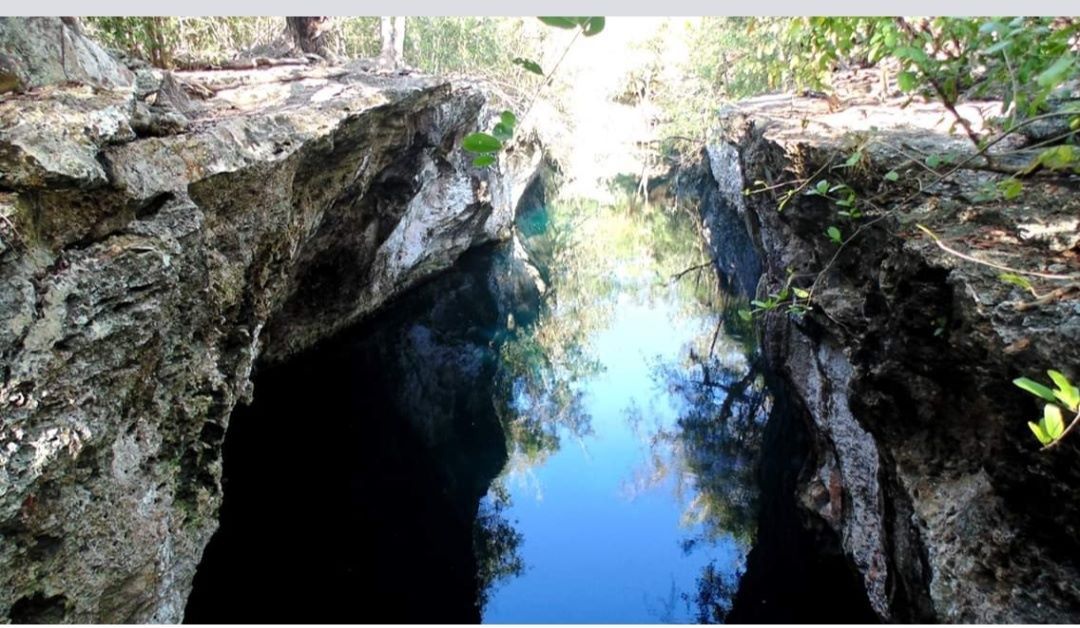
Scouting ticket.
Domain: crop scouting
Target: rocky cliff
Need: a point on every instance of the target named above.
(393, 439)
(922, 464)
(155, 246)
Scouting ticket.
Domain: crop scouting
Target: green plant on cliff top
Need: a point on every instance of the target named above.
(487, 145)
(1051, 427)
(793, 299)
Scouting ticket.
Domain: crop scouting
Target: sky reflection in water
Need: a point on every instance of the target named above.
(603, 533)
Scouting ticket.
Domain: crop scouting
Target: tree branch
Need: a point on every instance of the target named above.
(969, 258)
(679, 275)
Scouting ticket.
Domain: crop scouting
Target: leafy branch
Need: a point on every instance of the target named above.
(486, 145)
(1050, 429)
(938, 178)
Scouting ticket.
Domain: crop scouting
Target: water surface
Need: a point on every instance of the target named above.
(627, 509)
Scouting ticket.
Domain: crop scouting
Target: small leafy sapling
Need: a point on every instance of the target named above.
(800, 303)
(794, 299)
(853, 160)
(936, 160)
(1008, 189)
(1051, 428)
(841, 194)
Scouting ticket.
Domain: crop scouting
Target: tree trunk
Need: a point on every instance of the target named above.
(160, 52)
(309, 33)
(75, 24)
(392, 33)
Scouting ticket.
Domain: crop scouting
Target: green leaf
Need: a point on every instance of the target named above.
(1058, 157)
(481, 143)
(910, 52)
(1010, 188)
(1060, 380)
(560, 22)
(508, 118)
(1015, 280)
(1052, 423)
(1035, 388)
(822, 187)
(998, 47)
(1071, 398)
(933, 161)
(802, 294)
(834, 235)
(589, 25)
(853, 159)
(593, 26)
(502, 132)
(529, 65)
(1040, 433)
(745, 314)
(1056, 73)
(892, 176)
(483, 161)
(1066, 392)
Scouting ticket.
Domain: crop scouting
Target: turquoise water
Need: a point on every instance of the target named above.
(609, 520)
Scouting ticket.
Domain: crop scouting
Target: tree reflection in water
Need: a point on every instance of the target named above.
(594, 258)
(714, 445)
(710, 453)
(715, 594)
(590, 254)
(495, 542)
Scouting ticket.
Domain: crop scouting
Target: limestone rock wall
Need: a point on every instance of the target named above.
(923, 463)
(142, 275)
(45, 50)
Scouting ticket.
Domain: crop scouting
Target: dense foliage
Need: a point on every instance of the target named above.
(476, 45)
(168, 41)
(1026, 61)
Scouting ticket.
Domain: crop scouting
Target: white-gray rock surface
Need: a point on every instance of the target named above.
(141, 278)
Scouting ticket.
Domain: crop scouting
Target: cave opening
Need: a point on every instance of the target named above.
(360, 483)
(352, 481)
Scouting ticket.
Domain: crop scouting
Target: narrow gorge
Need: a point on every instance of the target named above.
(283, 353)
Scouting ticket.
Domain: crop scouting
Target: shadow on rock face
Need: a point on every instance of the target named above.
(352, 482)
(796, 572)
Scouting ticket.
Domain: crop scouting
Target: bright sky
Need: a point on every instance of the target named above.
(602, 143)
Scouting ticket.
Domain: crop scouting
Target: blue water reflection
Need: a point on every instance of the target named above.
(609, 516)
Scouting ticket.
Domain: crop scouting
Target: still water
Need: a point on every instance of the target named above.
(629, 482)
(618, 416)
